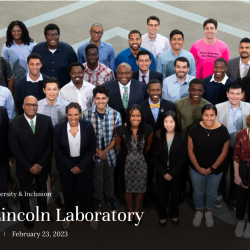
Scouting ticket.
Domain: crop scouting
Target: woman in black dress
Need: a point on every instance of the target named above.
(133, 141)
(169, 154)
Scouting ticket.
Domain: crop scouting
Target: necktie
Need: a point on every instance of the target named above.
(125, 97)
(155, 105)
(143, 78)
(32, 126)
(245, 71)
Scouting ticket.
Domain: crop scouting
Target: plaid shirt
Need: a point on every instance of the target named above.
(112, 120)
(99, 76)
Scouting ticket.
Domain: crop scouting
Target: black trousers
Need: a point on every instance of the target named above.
(229, 165)
(243, 195)
(3, 188)
(81, 184)
(26, 185)
(150, 175)
(163, 188)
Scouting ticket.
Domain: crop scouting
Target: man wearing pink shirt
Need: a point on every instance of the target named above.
(208, 49)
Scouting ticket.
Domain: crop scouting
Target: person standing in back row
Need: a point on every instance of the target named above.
(208, 49)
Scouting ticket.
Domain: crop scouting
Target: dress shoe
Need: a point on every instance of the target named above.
(163, 224)
(6, 211)
(175, 222)
(28, 224)
(47, 218)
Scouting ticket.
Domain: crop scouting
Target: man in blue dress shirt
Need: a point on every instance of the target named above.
(106, 50)
(129, 55)
(56, 55)
(176, 86)
(165, 61)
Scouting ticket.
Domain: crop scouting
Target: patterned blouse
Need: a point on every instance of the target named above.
(241, 149)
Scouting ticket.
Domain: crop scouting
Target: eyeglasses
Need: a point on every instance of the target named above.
(16, 31)
(29, 105)
(52, 35)
(93, 55)
(96, 33)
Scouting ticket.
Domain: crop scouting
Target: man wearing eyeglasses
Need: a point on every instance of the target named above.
(56, 55)
(30, 139)
(152, 41)
(96, 72)
(106, 50)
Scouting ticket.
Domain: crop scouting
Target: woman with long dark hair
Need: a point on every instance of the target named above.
(133, 141)
(17, 48)
(169, 154)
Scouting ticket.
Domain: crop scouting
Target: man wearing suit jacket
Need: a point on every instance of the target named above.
(238, 67)
(154, 108)
(144, 74)
(4, 159)
(30, 138)
(125, 91)
(232, 114)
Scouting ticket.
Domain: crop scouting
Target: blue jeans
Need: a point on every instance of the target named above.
(199, 181)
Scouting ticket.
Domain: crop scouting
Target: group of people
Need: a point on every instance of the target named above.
(155, 108)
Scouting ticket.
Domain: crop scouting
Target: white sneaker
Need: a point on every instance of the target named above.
(239, 229)
(218, 202)
(209, 219)
(246, 234)
(197, 218)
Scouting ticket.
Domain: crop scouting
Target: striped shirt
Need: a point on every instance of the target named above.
(106, 127)
(98, 76)
(57, 112)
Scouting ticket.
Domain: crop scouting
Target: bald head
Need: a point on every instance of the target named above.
(30, 106)
(96, 25)
(124, 73)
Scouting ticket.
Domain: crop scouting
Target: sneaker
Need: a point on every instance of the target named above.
(246, 234)
(233, 204)
(197, 218)
(209, 219)
(239, 229)
(218, 202)
(112, 205)
(97, 205)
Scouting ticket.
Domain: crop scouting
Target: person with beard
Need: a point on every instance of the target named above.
(176, 86)
(106, 50)
(56, 55)
(78, 90)
(129, 55)
(216, 85)
(238, 67)
(96, 72)
(188, 113)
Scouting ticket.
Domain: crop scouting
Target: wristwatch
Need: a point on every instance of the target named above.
(212, 169)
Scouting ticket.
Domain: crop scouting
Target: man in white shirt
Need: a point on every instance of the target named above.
(153, 41)
(238, 67)
(78, 90)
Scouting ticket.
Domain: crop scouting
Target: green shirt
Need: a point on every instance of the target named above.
(169, 143)
(187, 113)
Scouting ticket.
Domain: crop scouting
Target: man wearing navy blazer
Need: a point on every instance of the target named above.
(30, 139)
(144, 74)
(4, 159)
(153, 108)
(125, 91)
